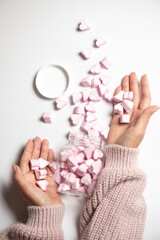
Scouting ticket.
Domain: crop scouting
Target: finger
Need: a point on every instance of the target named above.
(44, 149)
(26, 156)
(36, 148)
(18, 175)
(145, 93)
(117, 90)
(51, 158)
(144, 118)
(125, 83)
(133, 86)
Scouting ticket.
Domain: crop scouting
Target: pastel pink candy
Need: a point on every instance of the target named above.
(90, 107)
(86, 179)
(97, 154)
(102, 89)
(75, 159)
(81, 148)
(74, 168)
(91, 117)
(94, 97)
(125, 118)
(82, 169)
(95, 82)
(88, 151)
(42, 163)
(86, 126)
(76, 97)
(86, 53)
(105, 79)
(75, 150)
(42, 184)
(85, 94)
(57, 177)
(93, 133)
(76, 118)
(63, 165)
(109, 96)
(96, 69)
(100, 42)
(87, 81)
(119, 96)
(82, 189)
(91, 188)
(79, 110)
(118, 109)
(34, 164)
(89, 162)
(105, 63)
(47, 117)
(76, 184)
(105, 132)
(40, 174)
(128, 95)
(65, 154)
(54, 166)
(83, 26)
(96, 167)
(70, 178)
(63, 187)
(61, 103)
(64, 173)
(127, 105)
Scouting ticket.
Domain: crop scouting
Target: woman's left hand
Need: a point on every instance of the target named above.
(26, 180)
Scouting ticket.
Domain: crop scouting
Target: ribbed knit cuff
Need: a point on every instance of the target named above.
(119, 157)
(45, 217)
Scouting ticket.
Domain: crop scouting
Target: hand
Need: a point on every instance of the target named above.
(26, 180)
(130, 135)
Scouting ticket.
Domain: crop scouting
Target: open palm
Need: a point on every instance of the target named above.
(26, 178)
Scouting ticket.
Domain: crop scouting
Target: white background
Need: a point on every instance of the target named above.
(36, 33)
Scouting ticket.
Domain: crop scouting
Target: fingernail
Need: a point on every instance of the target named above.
(14, 166)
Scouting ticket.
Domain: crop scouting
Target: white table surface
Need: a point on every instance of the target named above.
(36, 33)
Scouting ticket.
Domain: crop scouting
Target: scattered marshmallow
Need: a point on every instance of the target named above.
(105, 79)
(86, 179)
(109, 96)
(42, 163)
(42, 184)
(105, 63)
(76, 184)
(91, 117)
(63, 187)
(82, 169)
(119, 96)
(47, 117)
(96, 69)
(70, 177)
(86, 53)
(83, 26)
(85, 94)
(102, 89)
(118, 109)
(76, 97)
(97, 154)
(127, 105)
(61, 103)
(100, 42)
(125, 118)
(94, 97)
(76, 118)
(95, 82)
(87, 81)
(79, 110)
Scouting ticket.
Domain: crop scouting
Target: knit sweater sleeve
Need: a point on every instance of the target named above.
(42, 223)
(116, 210)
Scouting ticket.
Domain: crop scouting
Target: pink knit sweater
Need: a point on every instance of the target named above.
(116, 210)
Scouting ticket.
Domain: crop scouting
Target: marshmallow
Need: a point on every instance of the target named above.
(57, 177)
(125, 118)
(76, 118)
(75, 150)
(105, 63)
(118, 109)
(91, 117)
(97, 154)
(63, 187)
(74, 168)
(96, 167)
(100, 42)
(34, 164)
(86, 179)
(83, 26)
(42, 184)
(87, 81)
(65, 154)
(93, 133)
(88, 151)
(105, 132)
(47, 117)
(42, 163)
(40, 174)
(64, 173)
(127, 105)
(109, 96)
(70, 178)
(90, 107)
(79, 110)
(86, 126)
(89, 162)
(86, 53)
(95, 82)
(61, 103)
(85, 94)
(63, 165)
(96, 69)
(82, 169)
(128, 95)
(105, 79)
(102, 89)
(94, 97)
(119, 96)
(76, 184)
(82, 189)
(75, 159)
(54, 166)
(76, 97)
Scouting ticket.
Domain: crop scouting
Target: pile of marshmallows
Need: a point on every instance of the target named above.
(78, 169)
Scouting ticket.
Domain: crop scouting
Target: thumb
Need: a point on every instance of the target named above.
(144, 117)
(18, 175)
